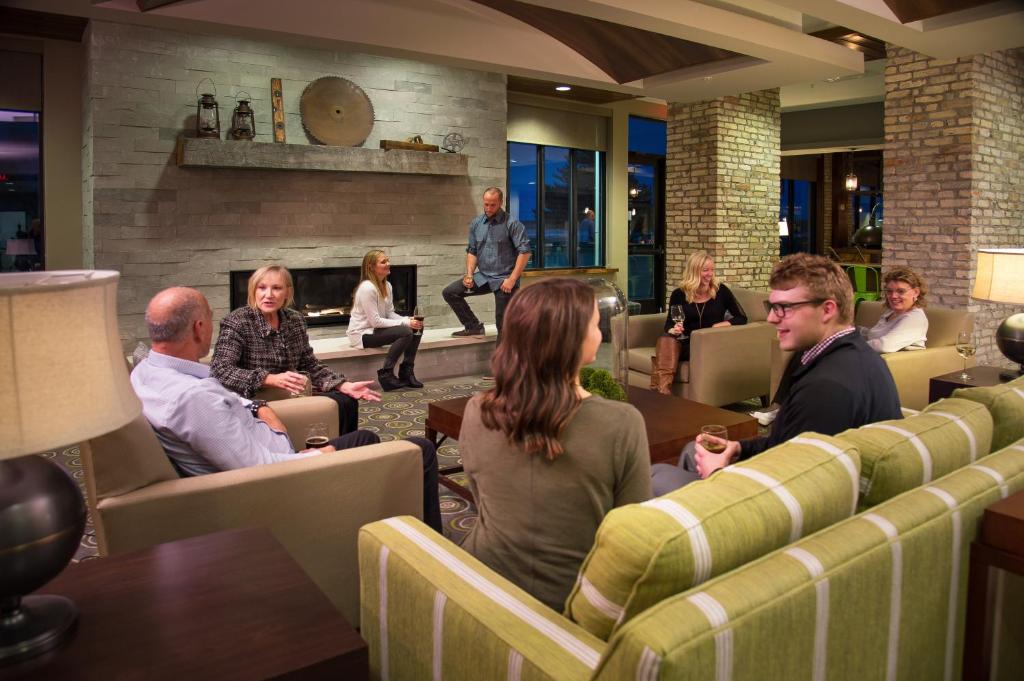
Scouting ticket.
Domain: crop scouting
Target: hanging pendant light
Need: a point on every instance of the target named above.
(851, 177)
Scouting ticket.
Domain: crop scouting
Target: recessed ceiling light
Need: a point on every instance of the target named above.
(832, 79)
(562, 88)
(708, 77)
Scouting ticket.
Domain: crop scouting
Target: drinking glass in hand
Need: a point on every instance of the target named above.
(316, 436)
(965, 348)
(717, 440)
(676, 312)
(418, 316)
(307, 388)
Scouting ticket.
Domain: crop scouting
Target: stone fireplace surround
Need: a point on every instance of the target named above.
(163, 225)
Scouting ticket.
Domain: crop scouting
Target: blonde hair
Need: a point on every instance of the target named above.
(258, 275)
(366, 271)
(691, 275)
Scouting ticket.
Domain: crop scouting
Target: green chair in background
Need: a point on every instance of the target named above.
(866, 281)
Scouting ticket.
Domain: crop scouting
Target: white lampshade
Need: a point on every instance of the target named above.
(21, 247)
(783, 227)
(1000, 276)
(63, 376)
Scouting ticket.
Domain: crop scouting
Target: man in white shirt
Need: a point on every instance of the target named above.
(204, 427)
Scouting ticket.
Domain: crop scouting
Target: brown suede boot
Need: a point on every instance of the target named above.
(664, 363)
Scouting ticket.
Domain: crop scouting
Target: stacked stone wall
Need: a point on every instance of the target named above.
(722, 186)
(161, 225)
(953, 173)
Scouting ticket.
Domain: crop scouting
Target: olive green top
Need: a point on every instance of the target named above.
(538, 517)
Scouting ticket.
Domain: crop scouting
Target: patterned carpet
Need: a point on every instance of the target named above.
(399, 414)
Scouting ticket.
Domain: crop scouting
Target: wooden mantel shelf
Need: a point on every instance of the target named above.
(212, 153)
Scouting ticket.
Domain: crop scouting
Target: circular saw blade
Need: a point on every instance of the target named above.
(336, 111)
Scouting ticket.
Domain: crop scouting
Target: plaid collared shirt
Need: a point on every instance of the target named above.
(812, 354)
(248, 349)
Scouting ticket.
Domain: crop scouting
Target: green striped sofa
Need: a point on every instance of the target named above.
(807, 591)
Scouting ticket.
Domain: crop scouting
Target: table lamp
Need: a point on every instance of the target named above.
(63, 380)
(1000, 278)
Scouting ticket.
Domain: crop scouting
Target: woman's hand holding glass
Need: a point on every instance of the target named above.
(676, 312)
(291, 381)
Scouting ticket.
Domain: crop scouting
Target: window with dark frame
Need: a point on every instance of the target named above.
(558, 194)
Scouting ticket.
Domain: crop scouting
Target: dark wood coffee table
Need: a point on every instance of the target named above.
(228, 605)
(980, 377)
(671, 423)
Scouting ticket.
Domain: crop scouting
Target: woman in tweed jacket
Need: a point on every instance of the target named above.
(265, 345)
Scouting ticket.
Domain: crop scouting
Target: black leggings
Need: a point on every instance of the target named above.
(402, 341)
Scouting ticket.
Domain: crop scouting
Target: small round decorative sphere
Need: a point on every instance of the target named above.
(1010, 338)
(42, 517)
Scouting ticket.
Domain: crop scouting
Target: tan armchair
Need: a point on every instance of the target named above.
(911, 369)
(728, 364)
(314, 507)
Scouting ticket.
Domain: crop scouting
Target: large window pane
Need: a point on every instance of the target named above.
(557, 177)
(21, 229)
(642, 205)
(647, 136)
(522, 189)
(641, 277)
(588, 202)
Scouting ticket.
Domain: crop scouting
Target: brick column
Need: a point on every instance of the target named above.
(953, 177)
(722, 186)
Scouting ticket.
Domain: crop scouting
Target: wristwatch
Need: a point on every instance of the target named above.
(254, 407)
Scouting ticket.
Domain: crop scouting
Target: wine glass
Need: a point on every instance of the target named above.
(966, 349)
(417, 314)
(676, 312)
(714, 446)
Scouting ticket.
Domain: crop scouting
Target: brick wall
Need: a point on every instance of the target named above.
(161, 225)
(722, 186)
(953, 173)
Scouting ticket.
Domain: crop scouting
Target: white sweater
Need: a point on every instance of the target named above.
(907, 331)
(369, 312)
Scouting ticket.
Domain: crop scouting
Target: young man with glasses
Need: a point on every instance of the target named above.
(833, 381)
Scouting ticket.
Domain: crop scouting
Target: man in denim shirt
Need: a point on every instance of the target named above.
(496, 256)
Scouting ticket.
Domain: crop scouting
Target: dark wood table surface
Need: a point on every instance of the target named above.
(981, 377)
(671, 423)
(228, 605)
(1000, 544)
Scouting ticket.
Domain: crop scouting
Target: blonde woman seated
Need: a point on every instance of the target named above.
(374, 323)
(704, 301)
(904, 325)
(265, 344)
(546, 460)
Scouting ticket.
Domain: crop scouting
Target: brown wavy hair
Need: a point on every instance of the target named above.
(537, 364)
(822, 277)
(909, 277)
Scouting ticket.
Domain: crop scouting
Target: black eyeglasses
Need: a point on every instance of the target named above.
(782, 309)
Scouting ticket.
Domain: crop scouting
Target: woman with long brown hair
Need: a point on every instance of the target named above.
(374, 323)
(546, 460)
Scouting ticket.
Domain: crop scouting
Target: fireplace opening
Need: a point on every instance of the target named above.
(324, 294)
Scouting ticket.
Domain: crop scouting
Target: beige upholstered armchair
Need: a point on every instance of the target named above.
(911, 369)
(728, 364)
(314, 507)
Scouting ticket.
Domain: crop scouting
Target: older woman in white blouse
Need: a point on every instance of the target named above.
(904, 325)
(374, 324)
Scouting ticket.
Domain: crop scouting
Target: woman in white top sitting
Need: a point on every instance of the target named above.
(373, 323)
(903, 326)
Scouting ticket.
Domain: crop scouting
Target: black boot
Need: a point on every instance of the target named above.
(406, 377)
(387, 380)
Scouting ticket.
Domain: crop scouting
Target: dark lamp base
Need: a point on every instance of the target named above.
(35, 625)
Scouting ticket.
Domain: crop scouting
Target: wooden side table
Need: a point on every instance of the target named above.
(981, 377)
(1000, 544)
(228, 605)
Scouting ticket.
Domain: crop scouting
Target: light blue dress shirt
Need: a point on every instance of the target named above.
(204, 427)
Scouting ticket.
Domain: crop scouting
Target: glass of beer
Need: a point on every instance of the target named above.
(316, 436)
(714, 438)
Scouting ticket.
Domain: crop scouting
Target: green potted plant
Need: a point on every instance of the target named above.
(600, 382)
